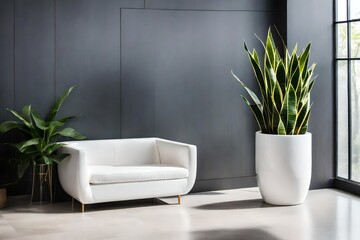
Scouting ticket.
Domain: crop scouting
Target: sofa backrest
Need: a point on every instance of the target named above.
(136, 151)
(119, 151)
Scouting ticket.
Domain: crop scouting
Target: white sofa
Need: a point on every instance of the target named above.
(124, 169)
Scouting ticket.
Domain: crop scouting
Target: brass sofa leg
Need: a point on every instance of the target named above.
(82, 207)
(179, 199)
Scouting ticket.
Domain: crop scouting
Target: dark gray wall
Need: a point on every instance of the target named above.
(312, 21)
(7, 56)
(176, 83)
(149, 68)
(34, 53)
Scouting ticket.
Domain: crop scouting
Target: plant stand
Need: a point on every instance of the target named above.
(42, 183)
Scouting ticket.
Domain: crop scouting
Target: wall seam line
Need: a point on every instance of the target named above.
(14, 83)
(120, 97)
(54, 50)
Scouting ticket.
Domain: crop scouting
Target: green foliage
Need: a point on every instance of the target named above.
(42, 135)
(285, 84)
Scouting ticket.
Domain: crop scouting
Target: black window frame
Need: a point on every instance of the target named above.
(346, 184)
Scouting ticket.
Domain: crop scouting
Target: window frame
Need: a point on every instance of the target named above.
(347, 184)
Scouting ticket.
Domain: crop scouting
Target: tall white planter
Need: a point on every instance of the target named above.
(283, 167)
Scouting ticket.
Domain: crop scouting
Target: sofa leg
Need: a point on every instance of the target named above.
(72, 204)
(82, 207)
(179, 199)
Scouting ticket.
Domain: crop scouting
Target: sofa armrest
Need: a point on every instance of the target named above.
(180, 155)
(74, 175)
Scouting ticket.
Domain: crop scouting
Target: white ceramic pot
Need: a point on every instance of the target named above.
(283, 167)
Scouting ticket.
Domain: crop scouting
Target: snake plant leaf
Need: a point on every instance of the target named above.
(293, 56)
(266, 115)
(304, 58)
(270, 51)
(306, 77)
(272, 76)
(261, 41)
(276, 93)
(301, 115)
(269, 82)
(304, 125)
(257, 113)
(291, 110)
(70, 132)
(275, 121)
(278, 97)
(281, 128)
(55, 108)
(311, 85)
(257, 70)
(281, 76)
(286, 58)
(299, 89)
(256, 56)
(295, 74)
(309, 75)
(251, 93)
(284, 109)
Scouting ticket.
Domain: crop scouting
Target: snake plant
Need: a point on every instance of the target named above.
(41, 135)
(285, 84)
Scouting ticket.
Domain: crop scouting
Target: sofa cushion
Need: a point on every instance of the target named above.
(123, 174)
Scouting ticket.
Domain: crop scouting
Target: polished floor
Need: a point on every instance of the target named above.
(232, 214)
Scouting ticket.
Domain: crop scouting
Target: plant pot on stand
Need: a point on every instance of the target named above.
(39, 149)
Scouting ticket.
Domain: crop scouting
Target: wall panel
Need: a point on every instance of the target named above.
(6, 57)
(183, 60)
(34, 54)
(215, 5)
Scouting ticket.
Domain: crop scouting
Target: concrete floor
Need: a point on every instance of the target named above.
(233, 214)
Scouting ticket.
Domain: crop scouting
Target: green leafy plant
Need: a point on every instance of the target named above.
(285, 84)
(42, 135)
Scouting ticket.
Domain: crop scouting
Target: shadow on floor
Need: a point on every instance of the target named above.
(208, 193)
(234, 234)
(23, 206)
(242, 204)
(119, 205)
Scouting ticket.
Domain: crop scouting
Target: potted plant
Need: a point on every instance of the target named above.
(41, 144)
(283, 145)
